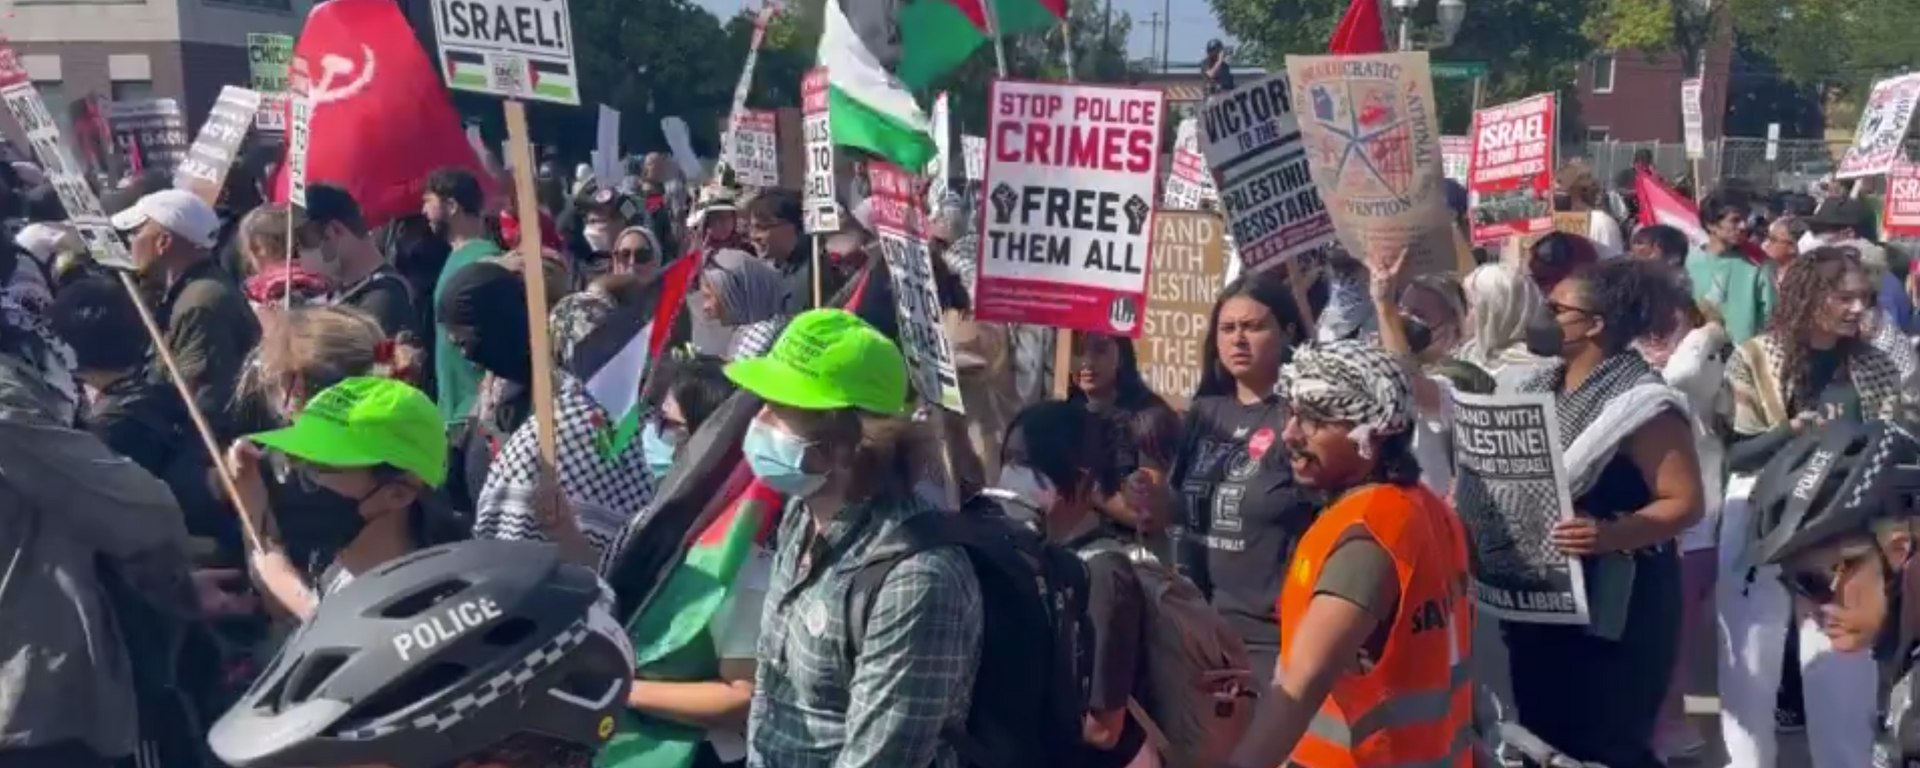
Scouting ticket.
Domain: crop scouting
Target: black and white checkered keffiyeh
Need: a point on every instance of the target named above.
(1350, 381)
(1617, 398)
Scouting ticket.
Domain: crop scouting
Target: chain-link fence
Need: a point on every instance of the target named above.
(1794, 165)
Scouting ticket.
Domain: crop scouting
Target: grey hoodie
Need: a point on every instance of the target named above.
(68, 508)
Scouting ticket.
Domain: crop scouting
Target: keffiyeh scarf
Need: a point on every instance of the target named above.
(42, 351)
(1350, 381)
(1621, 394)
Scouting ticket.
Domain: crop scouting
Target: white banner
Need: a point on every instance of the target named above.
(973, 154)
(606, 142)
(822, 212)
(754, 153)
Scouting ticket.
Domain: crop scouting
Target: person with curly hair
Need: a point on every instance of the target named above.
(1634, 479)
(1816, 362)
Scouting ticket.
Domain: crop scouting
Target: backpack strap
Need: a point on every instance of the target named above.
(911, 537)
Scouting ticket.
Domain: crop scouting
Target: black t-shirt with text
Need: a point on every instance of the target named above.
(1244, 513)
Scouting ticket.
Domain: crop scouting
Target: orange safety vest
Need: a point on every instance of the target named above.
(1414, 709)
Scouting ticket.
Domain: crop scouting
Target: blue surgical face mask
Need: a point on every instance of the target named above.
(775, 456)
(658, 448)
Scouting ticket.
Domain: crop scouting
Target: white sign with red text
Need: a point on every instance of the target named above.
(822, 215)
(901, 225)
(1066, 232)
(1510, 174)
(754, 152)
(1190, 185)
(1456, 158)
(1877, 143)
(1693, 119)
(1902, 218)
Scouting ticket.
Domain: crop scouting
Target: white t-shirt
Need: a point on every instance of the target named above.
(1433, 440)
(736, 635)
(1608, 242)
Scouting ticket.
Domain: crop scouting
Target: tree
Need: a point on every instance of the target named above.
(1531, 46)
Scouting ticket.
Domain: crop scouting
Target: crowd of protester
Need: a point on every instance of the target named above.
(1270, 572)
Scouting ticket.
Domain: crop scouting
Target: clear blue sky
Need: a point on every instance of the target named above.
(1193, 24)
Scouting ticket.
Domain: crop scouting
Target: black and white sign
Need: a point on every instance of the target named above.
(517, 49)
(822, 214)
(903, 242)
(152, 130)
(67, 177)
(213, 151)
(1510, 488)
(1693, 119)
(299, 139)
(754, 151)
(973, 153)
(1252, 143)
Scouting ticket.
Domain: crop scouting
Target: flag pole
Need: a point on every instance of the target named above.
(993, 32)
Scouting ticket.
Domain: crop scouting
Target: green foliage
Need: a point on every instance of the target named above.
(1836, 46)
(1635, 25)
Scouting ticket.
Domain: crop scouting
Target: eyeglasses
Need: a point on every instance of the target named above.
(1821, 586)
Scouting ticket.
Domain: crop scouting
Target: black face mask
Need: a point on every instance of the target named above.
(315, 523)
(1544, 340)
(504, 353)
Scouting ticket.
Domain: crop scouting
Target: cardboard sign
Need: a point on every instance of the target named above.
(269, 61)
(1253, 143)
(299, 139)
(1067, 230)
(754, 152)
(1693, 119)
(1372, 137)
(901, 226)
(212, 154)
(517, 49)
(1190, 185)
(56, 161)
(152, 130)
(1883, 126)
(822, 214)
(1189, 269)
(1902, 218)
(1510, 176)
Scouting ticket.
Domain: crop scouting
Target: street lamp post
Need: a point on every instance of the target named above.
(1451, 13)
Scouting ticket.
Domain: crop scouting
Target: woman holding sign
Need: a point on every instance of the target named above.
(1242, 510)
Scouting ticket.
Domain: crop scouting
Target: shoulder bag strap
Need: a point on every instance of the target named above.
(1772, 400)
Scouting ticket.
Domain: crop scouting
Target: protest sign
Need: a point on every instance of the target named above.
(1456, 158)
(1883, 128)
(940, 124)
(973, 152)
(518, 49)
(822, 214)
(754, 151)
(1369, 127)
(1693, 120)
(607, 169)
(1190, 185)
(299, 139)
(1066, 233)
(1510, 176)
(901, 225)
(151, 131)
(1902, 218)
(1189, 269)
(63, 173)
(213, 151)
(1510, 488)
(269, 61)
(1253, 145)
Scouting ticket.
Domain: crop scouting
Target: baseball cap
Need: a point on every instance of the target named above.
(1840, 213)
(364, 422)
(181, 212)
(828, 359)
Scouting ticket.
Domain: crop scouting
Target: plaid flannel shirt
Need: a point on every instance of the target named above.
(913, 676)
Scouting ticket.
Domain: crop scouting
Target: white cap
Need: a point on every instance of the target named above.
(181, 212)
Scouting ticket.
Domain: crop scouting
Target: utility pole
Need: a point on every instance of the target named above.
(1153, 48)
(1166, 40)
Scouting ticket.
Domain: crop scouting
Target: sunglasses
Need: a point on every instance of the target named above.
(1818, 585)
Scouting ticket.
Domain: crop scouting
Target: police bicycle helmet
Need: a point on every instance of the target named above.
(1833, 481)
(437, 657)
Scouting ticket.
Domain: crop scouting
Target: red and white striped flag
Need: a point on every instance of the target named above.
(1659, 204)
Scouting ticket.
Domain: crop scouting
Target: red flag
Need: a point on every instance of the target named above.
(1360, 30)
(381, 120)
(1659, 204)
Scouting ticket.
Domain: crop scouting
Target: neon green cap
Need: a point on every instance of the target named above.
(828, 359)
(366, 422)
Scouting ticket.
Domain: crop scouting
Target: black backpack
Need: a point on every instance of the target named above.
(1027, 706)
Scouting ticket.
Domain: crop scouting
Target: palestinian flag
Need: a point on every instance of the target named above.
(670, 635)
(938, 35)
(1659, 204)
(868, 107)
(467, 71)
(614, 358)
